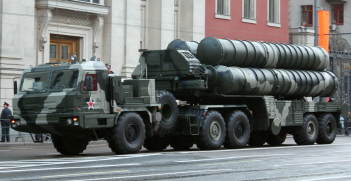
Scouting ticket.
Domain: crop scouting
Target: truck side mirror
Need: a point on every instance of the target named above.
(89, 83)
(15, 87)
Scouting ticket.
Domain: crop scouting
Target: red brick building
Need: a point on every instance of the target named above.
(254, 20)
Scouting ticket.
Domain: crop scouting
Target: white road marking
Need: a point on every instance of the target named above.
(312, 163)
(23, 148)
(342, 151)
(226, 158)
(161, 174)
(267, 148)
(65, 168)
(4, 150)
(347, 176)
(22, 164)
(51, 154)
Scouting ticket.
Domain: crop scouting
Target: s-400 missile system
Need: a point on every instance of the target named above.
(214, 93)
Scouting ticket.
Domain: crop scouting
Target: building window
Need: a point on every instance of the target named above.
(249, 11)
(274, 11)
(338, 14)
(222, 9)
(89, 1)
(273, 16)
(307, 15)
(176, 2)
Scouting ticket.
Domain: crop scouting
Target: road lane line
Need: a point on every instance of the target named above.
(23, 148)
(74, 162)
(328, 178)
(268, 148)
(311, 163)
(153, 175)
(51, 153)
(71, 168)
(4, 150)
(77, 174)
(225, 158)
(229, 163)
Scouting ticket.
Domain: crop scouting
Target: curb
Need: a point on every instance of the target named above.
(12, 144)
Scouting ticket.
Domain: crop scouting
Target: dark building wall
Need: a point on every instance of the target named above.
(235, 28)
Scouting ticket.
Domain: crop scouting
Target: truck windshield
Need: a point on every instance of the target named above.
(34, 81)
(64, 79)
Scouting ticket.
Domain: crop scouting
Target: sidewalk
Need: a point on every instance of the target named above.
(26, 141)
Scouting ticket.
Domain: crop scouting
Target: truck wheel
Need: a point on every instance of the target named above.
(327, 129)
(156, 143)
(212, 134)
(128, 135)
(238, 130)
(276, 140)
(69, 146)
(169, 110)
(182, 142)
(257, 138)
(309, 131)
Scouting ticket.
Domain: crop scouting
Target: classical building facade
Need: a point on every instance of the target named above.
(34, 32)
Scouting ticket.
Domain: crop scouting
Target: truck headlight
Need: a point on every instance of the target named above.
(15, 123)
(69, 121)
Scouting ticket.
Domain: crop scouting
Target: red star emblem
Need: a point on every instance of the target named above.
(91, 104)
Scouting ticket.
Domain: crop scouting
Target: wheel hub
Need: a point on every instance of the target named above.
(239, 130)
(311, 129)
(132, 133)
(215, 130)
(329, 128)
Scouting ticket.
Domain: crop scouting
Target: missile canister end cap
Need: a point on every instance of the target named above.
(177, 44)
(210, 51)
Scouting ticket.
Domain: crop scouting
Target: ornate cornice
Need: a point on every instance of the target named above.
(72, 20)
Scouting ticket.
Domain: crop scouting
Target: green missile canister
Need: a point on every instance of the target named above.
(213, 51)
(277, 82)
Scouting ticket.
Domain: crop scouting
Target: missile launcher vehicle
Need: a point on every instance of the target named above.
(223, 102)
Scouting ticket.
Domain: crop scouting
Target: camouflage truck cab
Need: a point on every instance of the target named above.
(79, 102)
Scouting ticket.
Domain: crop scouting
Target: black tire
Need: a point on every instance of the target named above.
(309, 130)
(156, 143)
(169, 110)
(69, 146)
(276, 140)
(128, 135)
(327, 129)
(212, 133)
(257, 138)
(238, 130)
(182, 142)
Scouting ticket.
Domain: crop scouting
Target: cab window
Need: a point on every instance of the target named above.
(64, 79)
(94, 82)
(34, 81)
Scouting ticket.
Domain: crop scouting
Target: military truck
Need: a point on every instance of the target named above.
(81, 101)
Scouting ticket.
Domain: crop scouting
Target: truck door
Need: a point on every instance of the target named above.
(94, 100)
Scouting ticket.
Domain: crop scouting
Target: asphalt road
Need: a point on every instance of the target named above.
(286, 162)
